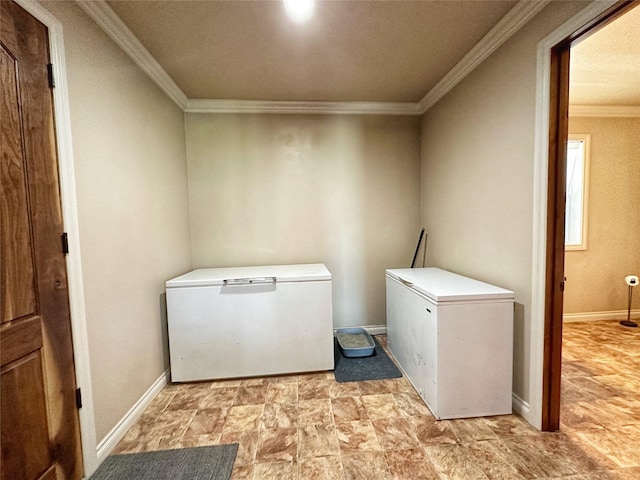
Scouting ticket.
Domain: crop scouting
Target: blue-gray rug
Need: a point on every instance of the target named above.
(358, 369)
(199, 463)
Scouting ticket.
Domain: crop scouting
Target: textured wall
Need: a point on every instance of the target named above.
(477, 175)
(595, 277)
(130, 166)
(286, 189)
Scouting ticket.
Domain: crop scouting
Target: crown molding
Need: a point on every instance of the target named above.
(337, 108)
(513, 21)
(106, 18)
(604, 110)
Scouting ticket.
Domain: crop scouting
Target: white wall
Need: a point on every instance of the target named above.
(286, 189)
(130, 171)
(477, 175)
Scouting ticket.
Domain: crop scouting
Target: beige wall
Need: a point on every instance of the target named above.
(595, 277)
(268, 189)
(130, 167)
(477, 175)
(285, 189)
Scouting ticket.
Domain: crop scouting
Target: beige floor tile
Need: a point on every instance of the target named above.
(280, 415)
(344, 389)
(189, 441)
(357, 436)
(305, 377)
(287, 378)
(255, 382)
(277, 444)
(168, 423)
(314, 411)
(472, 429)
(397, 385)
(632, 473)
(395, 433)
(161, 401)
(320, 468)
(618, 444)
(365, 466)
(373, 387)
(282, 392)
(593, 387)
(412, 464)
(219, 397)
(545, 455)
(232, 382)
(455, 462)
(186, 398)
(411, 404)
(430, 431)
(243, 418)
(272, 470)
(495, 460)
(242, 472)
(251, 395)
(309, 426)
(314, 389)
(346, 409)
(207, 421)
(580, 415)
(509, 425)
(247, 445)
(318, 440)
(381, 406)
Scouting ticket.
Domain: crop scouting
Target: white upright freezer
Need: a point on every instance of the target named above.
(453, 338)
(250, 321)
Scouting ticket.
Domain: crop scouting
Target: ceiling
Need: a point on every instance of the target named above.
(385, 51)
(350, 51)
(605, 67)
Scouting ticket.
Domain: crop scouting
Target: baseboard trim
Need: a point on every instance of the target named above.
(109, 442)
(521, 407)
(596, 316)
(371, 329)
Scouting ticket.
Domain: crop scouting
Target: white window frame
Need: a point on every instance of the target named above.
(584, 213)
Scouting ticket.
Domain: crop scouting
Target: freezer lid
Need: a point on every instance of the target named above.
(443, 286)
(257, 274)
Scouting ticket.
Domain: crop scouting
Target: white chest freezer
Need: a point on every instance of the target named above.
(250, 321)
(453, 337)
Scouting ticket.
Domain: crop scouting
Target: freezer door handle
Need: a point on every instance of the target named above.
(249, 281)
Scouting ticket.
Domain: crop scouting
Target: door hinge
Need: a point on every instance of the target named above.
(562, 286)
(78, 398)
(65, 243)
(52, 84)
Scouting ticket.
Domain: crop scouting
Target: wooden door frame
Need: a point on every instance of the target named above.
(62, 117)
(558, 119)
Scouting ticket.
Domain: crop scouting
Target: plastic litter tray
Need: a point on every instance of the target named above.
(355, 342)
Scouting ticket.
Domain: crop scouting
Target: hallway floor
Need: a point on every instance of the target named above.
(312, 427)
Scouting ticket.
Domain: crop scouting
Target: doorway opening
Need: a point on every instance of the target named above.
(556, 205)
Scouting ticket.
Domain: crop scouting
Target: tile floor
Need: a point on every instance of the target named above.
(312, 427)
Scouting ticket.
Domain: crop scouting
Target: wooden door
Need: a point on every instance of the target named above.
(40, 434)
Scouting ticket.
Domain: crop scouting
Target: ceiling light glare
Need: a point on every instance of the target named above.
(299, 10)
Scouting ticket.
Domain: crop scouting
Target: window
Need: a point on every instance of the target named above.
(577, 192)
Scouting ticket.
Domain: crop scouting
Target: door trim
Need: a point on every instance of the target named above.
(544, 347)
(62, 117)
